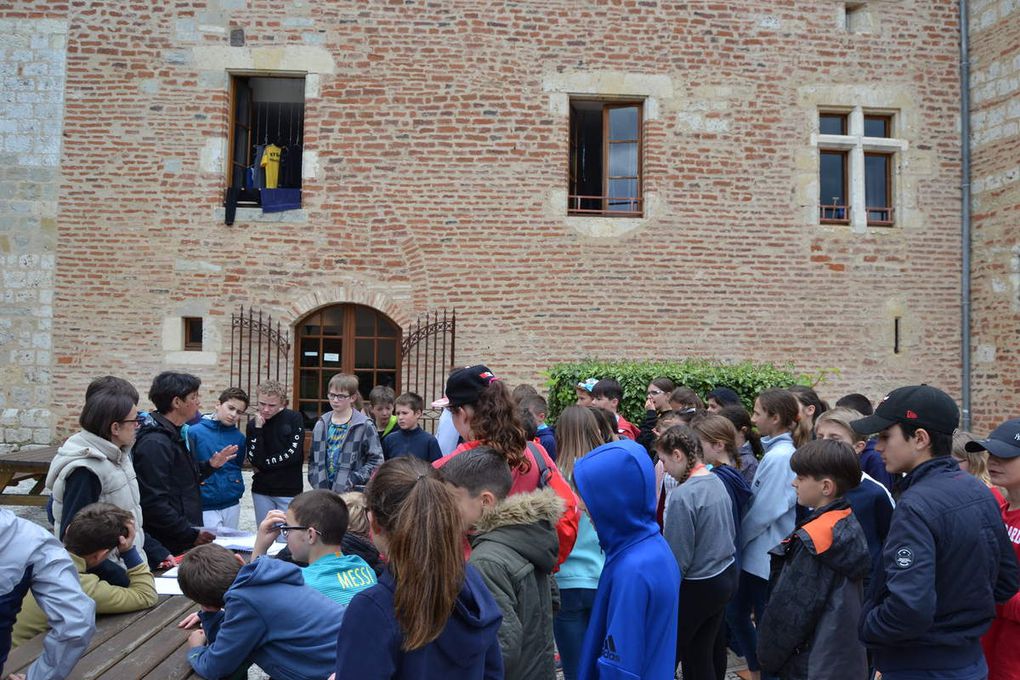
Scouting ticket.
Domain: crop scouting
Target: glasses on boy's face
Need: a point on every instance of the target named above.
(336, 396)
(287, 528)
(138, 421)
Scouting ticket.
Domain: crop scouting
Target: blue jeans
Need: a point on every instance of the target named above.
(975, 671)
(570, 626)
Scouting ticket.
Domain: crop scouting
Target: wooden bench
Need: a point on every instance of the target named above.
(21, 465)
(144, 645)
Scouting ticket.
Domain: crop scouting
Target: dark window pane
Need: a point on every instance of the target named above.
(309, 351)
(366, 381)
(832, 184)
(623, 123)
(388, 329)
(193, 333)
(309, 385)
(586, 154)
(832, 123)
(623, 160)
(876, 181)
(387, 350)
(364, 353)
(387, 378)
(312, 325)
(364, 321)
(875, 126)
(332, 321)
(331, 353)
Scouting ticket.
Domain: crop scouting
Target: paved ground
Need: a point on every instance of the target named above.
(247, 522)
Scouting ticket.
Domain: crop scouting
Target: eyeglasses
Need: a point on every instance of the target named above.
(335, 395)
(655, 393)
(138, 421)
(286, 528)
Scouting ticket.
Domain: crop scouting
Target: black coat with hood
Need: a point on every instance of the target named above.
(168, 482)
(807, 631)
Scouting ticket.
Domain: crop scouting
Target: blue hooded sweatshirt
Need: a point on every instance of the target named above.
(224, 487)
(271, 618)
(632, 631)
(370, 640)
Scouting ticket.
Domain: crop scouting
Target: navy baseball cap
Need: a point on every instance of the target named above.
(1003, 442)
(922, 406)
(465, 385)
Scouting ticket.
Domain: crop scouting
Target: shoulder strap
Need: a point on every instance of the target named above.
(544, 473)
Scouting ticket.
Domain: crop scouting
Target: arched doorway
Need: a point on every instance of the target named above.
(344, 338)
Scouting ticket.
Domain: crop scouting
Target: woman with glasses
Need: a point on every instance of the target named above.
(95, 464)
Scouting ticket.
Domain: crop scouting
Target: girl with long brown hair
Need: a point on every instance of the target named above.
(430, 616)
(577, 434)
(484, 414)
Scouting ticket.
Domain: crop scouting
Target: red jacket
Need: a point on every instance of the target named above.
(523, 482)
(626, 428)
(1002, 641)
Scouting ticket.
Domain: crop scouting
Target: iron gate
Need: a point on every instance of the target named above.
(259, 350)
(428, 353)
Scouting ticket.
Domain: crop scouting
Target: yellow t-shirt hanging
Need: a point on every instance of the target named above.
(271, 162)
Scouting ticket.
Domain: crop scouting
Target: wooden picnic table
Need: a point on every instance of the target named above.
(21, 465)
(143, 645)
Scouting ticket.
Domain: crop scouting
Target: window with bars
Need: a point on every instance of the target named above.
(266, 135)
(605, 158)
(856, 159)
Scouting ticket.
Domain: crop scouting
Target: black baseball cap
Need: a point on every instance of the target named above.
(918, 405)
(465, 385)
(1003, 442)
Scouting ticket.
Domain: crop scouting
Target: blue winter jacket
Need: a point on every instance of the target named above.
(633, 625)
(770, 514)
(270, 618)
(224, 487)
(947, 561)
(370, 640)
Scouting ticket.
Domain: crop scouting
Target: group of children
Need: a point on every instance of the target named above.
(631, 552)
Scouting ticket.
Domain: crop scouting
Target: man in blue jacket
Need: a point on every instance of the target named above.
(947, 560)
(632, 630)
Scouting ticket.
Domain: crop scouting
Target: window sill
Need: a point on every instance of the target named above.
(254, 215)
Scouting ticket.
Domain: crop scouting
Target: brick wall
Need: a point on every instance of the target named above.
(32, 55)
(995, 93)
(436, 177)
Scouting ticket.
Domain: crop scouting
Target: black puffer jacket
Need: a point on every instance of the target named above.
(168, 481)
(815, 600)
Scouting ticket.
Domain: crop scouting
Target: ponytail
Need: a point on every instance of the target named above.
(741, 420)
(423, 529)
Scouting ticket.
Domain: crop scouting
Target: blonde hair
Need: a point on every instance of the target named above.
(842, 416)
(977, 461)
(357, 511)
(273, 388)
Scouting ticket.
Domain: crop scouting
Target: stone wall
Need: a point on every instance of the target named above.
(995, 140)
(32, 75)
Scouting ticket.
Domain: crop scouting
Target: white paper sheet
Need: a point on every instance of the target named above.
(168, 586)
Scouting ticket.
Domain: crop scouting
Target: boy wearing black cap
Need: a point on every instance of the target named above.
(1002, 640)
(947, 559)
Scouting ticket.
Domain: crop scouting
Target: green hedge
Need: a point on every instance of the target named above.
(746, 379)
